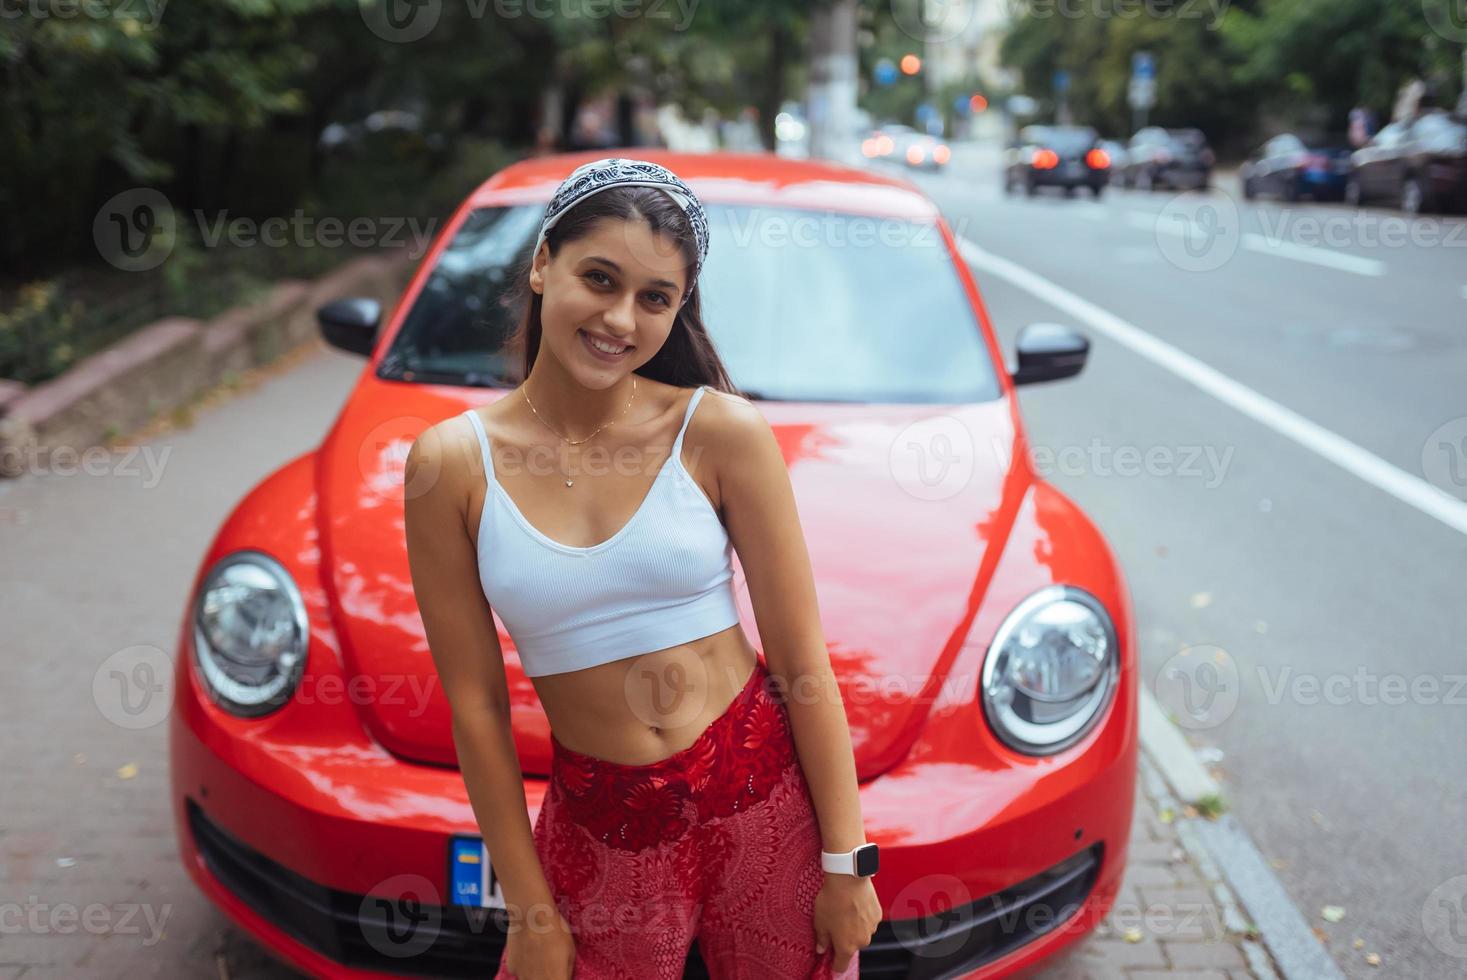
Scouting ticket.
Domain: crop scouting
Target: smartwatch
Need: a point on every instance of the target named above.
(860, 861)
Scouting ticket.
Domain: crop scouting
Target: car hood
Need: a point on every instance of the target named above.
(904, 510)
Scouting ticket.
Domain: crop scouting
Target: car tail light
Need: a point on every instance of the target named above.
(1045, 160)
(1098, 159)
(942, 154)
(915, 154)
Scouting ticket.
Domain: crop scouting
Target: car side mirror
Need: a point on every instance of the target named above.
(351, 324)
(1049, 351)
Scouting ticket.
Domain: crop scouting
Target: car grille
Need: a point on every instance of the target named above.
(456, 941)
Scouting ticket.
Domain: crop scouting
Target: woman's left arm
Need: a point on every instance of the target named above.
(758, 504)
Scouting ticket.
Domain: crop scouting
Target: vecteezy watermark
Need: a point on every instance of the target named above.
(1444, 457)
(932, 458)
(1189, 462)
(1198, 233)
(138, 229)
(1448, 18)
(1444, 916)
(304, 231)
(133, 688)
(1122, 9)
(129, 462)
(774, 228)
(932, 20)
(401, 916)
(1199, 685)
(1362, 686)
(132, 15)
(406, 21)
(37, 918)
(1362, 229)
(926, 912)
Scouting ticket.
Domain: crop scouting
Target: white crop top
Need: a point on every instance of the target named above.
(665, 578)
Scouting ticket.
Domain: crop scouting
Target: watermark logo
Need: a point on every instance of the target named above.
(403, 918)
(1199, 685)
(932, 20)
(1198, 233)
(1444, 916)
(1444, 457)
(133, 688)
(932, 458)
(135, 230)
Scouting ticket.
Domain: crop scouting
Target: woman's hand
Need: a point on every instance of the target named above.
(847, 913)
(541, 950)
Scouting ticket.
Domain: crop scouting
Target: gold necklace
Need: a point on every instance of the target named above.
(577, 442)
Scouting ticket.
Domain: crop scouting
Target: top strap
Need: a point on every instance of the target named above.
(483, 446)
(677, 444)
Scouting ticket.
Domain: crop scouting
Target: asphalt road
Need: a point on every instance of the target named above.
(1298, 582)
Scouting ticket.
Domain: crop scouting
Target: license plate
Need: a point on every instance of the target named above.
(1074, 169)
(471, 879)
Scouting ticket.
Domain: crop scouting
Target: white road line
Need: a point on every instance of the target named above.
(1264, 245)
(1405, 487)
(1307, 253)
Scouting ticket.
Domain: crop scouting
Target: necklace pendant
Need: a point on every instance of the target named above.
(568, 482)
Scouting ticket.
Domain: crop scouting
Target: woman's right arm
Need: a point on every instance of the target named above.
(465, 648)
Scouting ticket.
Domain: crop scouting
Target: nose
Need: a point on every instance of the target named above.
(620, 317)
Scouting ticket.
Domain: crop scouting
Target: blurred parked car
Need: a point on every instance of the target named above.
(1288, 168)
(885, 142)
(1419, 164)
(1056, 156)
(923, 151)
(316, 790)
(1173, 158)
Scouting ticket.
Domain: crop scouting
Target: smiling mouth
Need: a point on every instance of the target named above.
(602, 348)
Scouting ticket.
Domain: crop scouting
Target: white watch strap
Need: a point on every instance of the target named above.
(839, 862)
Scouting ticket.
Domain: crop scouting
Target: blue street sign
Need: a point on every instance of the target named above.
(885, 72)
(1143, 65)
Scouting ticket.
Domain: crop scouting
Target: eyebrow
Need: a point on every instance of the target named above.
(617, 268)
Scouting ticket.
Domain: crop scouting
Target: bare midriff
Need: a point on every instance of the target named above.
(643, 709)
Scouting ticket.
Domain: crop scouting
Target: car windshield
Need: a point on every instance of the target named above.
(802, 306)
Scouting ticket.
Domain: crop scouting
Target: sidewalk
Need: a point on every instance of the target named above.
(1175, 918)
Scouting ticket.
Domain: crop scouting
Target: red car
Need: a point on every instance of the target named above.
(977, 621)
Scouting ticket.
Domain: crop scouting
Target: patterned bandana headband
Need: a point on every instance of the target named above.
(608, 172)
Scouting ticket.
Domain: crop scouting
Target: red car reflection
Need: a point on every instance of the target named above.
(977, 621)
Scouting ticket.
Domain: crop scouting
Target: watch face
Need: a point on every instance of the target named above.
(866, 860)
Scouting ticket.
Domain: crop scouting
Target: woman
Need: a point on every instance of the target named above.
(678, 806)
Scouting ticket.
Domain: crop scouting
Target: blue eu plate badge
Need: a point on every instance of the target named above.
(471, 876)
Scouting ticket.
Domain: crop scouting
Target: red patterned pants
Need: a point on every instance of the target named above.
(718, 842)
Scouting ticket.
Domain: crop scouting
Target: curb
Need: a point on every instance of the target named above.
(1227, 857)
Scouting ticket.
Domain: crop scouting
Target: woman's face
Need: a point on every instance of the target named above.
(620, 283)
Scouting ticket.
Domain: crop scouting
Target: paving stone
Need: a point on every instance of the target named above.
(1223, 954)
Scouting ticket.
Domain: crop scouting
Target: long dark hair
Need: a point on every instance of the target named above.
(688, 357)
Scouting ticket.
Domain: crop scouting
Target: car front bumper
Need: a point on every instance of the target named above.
(313, 851)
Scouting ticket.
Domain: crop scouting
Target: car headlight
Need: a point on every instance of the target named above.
(250, 633)
(1050, 671)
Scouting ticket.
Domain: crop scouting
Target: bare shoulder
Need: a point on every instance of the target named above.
(441, 464)
(726, 422)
